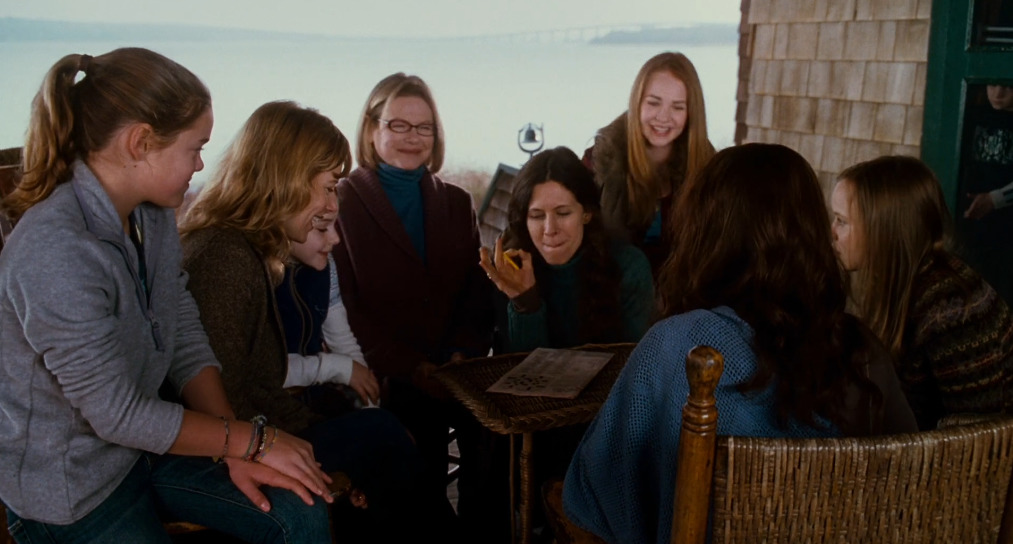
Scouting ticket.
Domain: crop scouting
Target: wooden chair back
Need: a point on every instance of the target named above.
(695, 457)
(946, 485)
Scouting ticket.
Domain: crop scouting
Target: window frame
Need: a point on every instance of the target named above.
(954, 63)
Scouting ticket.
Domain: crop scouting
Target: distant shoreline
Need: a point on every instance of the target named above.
(13, 29)
(703, 34)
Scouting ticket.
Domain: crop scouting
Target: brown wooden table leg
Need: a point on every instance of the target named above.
(513, 492)
(527, 477)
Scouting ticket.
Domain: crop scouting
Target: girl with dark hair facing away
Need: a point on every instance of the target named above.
(642, 158)
(96, 316)
(753, 274)
(276, 183)
(567, 281)
(949, 332)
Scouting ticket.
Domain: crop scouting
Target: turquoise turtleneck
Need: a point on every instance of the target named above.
(405, 195)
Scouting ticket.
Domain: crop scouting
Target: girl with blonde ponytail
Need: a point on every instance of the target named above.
(95, 318)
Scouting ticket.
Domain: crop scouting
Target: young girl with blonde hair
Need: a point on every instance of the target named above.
(274, 185)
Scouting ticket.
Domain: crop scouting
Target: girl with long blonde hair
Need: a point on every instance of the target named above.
(644, 156)
(275, 183)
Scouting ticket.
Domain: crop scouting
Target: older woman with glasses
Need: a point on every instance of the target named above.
(415, 295)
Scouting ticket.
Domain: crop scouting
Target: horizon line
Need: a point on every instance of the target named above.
(167, 25)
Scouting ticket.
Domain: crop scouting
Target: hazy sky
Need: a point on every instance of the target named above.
(382, 17)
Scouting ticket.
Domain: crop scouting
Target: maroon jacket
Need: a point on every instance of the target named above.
(403, 310)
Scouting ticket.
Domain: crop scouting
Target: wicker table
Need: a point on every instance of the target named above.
(516, 415)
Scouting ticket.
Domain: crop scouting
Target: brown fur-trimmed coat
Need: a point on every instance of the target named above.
(609, 162)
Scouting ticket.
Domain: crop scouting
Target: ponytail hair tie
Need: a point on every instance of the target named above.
(83, 63)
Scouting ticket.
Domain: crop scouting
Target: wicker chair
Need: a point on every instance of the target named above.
(945, 485)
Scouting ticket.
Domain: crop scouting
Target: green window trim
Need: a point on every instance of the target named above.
(953, 65)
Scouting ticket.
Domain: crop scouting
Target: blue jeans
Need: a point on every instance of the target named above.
(193, 489)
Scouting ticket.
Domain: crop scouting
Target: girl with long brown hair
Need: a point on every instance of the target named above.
(950, 333)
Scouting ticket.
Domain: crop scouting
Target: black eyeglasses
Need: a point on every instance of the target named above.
(400, 126)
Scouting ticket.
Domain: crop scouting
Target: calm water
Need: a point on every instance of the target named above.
(486, 91)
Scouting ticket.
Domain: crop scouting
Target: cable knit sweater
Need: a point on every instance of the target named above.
(958, 349)
(619, 484)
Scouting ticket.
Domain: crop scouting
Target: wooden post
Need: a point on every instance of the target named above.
(695, 460)
(527, 486)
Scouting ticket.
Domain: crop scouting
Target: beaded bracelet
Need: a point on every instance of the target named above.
(225, 448)
(260, 446)
(256, 437)
(270, 445)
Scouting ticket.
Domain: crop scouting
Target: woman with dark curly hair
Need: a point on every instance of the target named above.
(753, 274)
(568, 283)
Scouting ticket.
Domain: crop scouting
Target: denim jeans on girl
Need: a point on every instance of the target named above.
(182, 488)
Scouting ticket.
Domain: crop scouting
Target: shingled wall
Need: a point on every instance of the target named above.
(840, 81)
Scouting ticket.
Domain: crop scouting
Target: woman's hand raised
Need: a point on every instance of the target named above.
(502, 269)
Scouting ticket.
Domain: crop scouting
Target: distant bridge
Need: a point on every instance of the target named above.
(560, 35)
